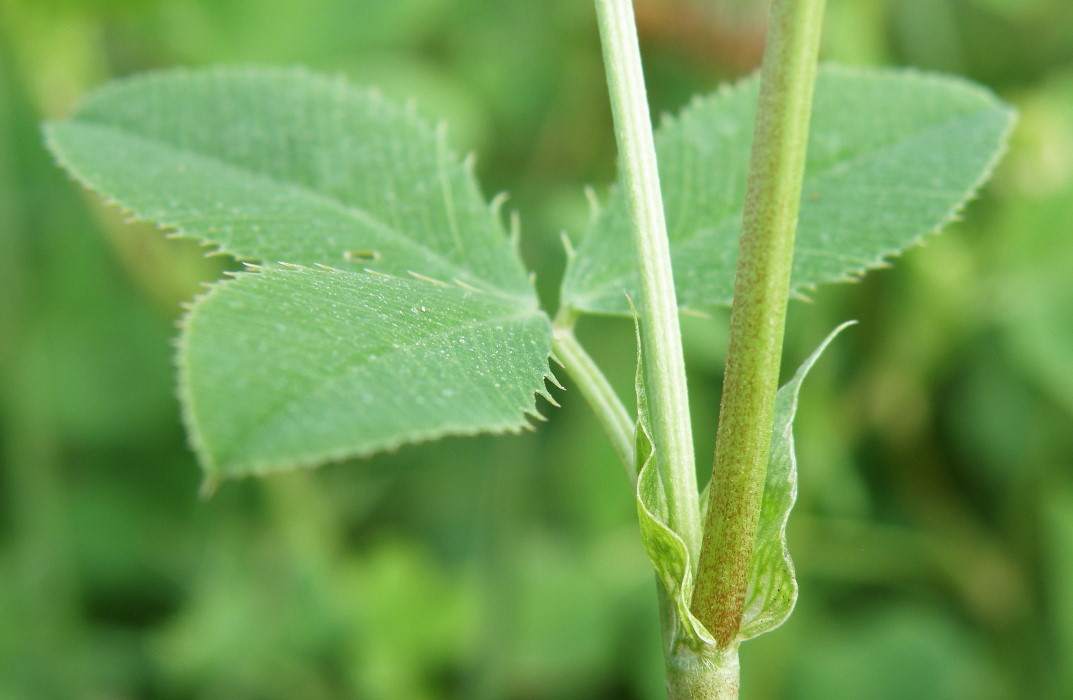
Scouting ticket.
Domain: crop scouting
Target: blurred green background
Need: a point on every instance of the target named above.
(934, 531)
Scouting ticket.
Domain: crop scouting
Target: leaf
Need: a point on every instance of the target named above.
(294, 367)
(665, 548)
(282, 165)
(667, 551)
(772, 591)
(892, 157)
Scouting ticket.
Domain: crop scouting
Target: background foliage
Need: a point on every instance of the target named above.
(934, 531)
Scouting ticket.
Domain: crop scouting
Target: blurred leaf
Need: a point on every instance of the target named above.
(570, 601)
(246, 578)
(772, 591)
(895, 651)
(1057, 540)
(419, 617)
(1039, 331)
(1034, 257)
(317, 31)
(892, 157)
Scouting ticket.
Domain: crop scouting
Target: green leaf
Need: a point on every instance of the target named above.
(667, 550)
(294, 367)
(665, 547)
(419, 319)
(772, 591)
(282, 165)
(893, 156)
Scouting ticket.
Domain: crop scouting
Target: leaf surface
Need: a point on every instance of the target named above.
(772, 591)
(282, 165)
(893, 155)
(665, 548)
(294, 367)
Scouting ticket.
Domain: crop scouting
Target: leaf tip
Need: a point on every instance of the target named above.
(516, 230)
(208, 487)
(496, 205)
(534, 413)
(546, 395)
(568, 246)
(594, 203)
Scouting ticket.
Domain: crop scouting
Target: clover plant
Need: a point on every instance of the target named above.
(385, 301)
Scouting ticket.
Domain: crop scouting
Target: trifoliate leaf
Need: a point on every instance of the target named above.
(893, 156)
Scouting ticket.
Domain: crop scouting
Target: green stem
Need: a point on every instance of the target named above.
(705, 679)
(761, 290)
(605, 403)
(665, 377)
(695, 674)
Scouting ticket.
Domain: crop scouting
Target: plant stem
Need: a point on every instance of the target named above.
(761, 290)
(665, 377)
(695, 674)
(706, 680)
(605, 403)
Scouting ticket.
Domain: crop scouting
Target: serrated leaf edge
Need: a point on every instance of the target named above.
(883, 260)
(213, 473)
(173, 229)
(754, 622)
